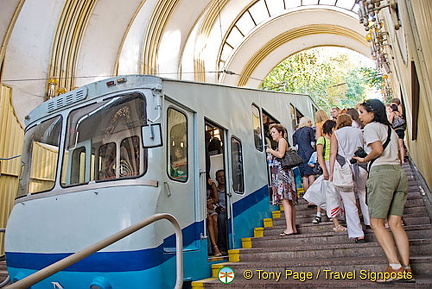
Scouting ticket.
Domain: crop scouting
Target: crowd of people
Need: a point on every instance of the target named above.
(355, 149)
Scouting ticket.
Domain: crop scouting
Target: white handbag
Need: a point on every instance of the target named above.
(343, 175)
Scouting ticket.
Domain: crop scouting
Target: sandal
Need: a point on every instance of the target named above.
(339, 228)
(214, 251)
(283, 234)
(317, 220)
(357, 240)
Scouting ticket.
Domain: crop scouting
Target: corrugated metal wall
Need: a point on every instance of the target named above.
(44, 162)
(11, 142)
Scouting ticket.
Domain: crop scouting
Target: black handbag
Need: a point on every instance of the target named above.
(291, 159)
(317, 169)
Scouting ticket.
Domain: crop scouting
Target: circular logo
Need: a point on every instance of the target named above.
(226, 275)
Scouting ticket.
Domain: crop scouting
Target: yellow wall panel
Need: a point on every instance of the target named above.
(11, 142)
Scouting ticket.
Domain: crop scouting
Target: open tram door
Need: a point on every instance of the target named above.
(217, 210)
(180, 194)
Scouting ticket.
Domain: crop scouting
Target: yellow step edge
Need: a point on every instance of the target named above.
(259, 232)
(276, 214)
(234, 255)
(300, 192)
(268, 222)
(199, 284)
(246, 243)
(216, 267)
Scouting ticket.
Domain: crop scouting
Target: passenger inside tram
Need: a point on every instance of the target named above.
(222, 213)
(179, 163)
(212, 216)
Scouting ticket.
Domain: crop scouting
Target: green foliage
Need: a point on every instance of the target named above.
(330, 80)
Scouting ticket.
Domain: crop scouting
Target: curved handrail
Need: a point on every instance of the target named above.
(5, 282)
(66, 262)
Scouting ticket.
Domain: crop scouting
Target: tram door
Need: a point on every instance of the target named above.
(180, 194)
(217, 212)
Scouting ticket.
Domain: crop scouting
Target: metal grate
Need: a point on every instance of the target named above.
(67, 99)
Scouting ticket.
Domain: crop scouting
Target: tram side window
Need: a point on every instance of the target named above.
(293, 117)
(129, 157)
(257, 131)
(107, 161)
(78, 165)
(103, 140)
(237, 165)
(40, 157)
(296, 115)
(177, 145)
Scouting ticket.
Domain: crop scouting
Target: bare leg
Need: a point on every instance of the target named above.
(211, 227)
(215, 228)
(311, 179)
(288, 209)
(293, 218)
(385, 240)
(400, 237)
(305, 184)
(402, 150)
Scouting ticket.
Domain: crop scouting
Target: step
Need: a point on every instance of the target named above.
(289, 251)
(240, 282)
(413, 200)
(373, 263)
(414, 217)
(330, 272)
(318, 251)
(272, 238)
(318, 273)
(325, 227)
(288, 282)
(3, 270)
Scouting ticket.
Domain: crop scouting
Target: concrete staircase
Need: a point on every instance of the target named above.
(321, 258)
(3, 271)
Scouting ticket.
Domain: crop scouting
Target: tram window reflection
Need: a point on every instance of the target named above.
(40, 157)
(257, 133)
(129, 157)
(178, 145)
(237, 166)
(107, 161)
(110, 133)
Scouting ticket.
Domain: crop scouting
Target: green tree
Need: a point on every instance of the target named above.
(330, 80)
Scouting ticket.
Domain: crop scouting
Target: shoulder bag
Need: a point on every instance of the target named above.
(398, 122)
(317, 169)
(291, 159)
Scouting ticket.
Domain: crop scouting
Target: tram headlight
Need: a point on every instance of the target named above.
(100, 283)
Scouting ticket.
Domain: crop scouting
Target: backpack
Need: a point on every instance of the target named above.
(398, 122)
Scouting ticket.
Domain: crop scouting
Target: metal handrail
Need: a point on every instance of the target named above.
(72, 259)
(5, 282)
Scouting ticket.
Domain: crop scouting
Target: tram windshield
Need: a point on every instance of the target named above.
(40, 157)
(103, 141)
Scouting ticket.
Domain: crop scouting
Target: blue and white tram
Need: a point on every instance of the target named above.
(109, 154)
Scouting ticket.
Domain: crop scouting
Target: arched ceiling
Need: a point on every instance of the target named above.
(74, 42)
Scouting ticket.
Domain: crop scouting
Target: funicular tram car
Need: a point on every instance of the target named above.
(111, 153)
